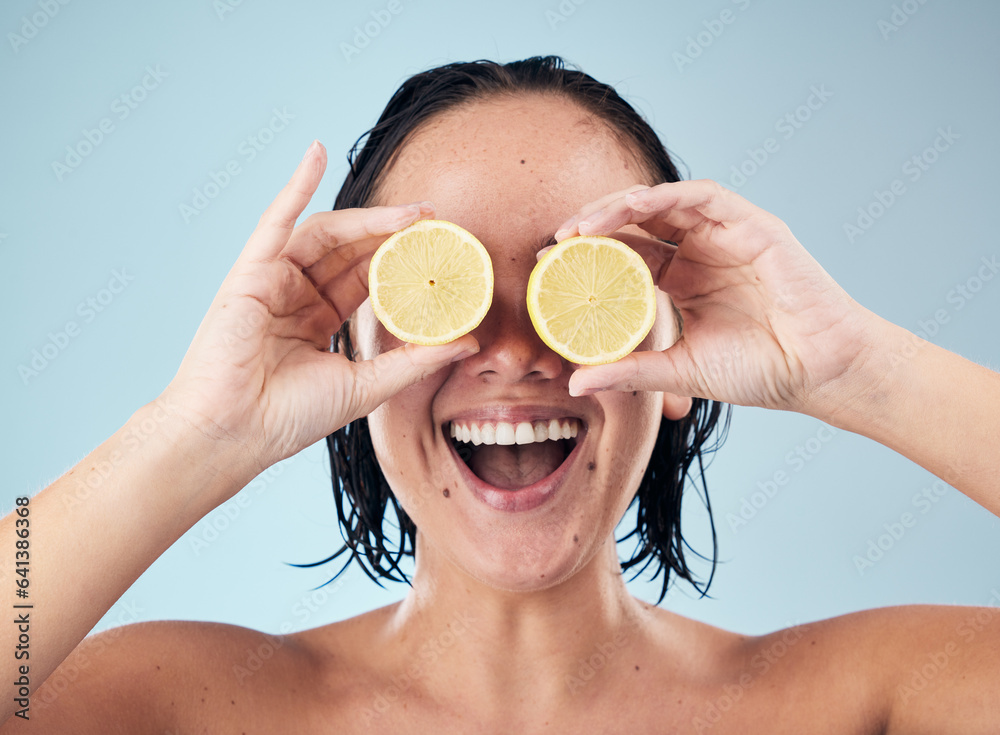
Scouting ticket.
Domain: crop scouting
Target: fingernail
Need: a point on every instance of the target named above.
(637, 199)
(312, 147)
(565, 228)
(418, 205)
(397, 218)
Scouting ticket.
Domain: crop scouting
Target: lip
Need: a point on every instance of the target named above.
(531, 496)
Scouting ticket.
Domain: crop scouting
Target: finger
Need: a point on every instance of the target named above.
(337, 237)
(666, 210)
(348, 288)
(616, 213)
(707, 198)
(569, 228)
(278, 219)
(652, 371)
(392, 371)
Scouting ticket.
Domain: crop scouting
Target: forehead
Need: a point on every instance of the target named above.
(526, 162)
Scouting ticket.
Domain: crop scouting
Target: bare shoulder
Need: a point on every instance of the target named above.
(167, 676)
(935, 666)
(912, 669)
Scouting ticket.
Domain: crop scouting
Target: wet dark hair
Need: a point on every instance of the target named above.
(360, 490)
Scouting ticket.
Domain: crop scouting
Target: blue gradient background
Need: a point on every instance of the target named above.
(793, 561)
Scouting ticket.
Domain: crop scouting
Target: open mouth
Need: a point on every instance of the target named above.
(510, 456)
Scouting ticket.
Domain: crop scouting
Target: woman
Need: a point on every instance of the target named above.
(518, 619)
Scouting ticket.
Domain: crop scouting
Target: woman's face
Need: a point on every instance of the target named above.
(522, 516)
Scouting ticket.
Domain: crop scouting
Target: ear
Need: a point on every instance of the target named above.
(676, 407)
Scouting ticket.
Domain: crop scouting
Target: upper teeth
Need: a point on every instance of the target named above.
(525, 432)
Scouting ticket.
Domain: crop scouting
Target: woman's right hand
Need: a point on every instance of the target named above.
(259, 372)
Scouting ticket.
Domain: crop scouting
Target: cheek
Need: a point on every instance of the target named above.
(628, 437)
(400, 426)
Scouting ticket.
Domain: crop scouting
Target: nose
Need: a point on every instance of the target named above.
(510, 351)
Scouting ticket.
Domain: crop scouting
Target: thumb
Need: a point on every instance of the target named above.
(654, 371)
(400, 368)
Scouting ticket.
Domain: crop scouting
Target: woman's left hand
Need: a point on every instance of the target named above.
(764, 324)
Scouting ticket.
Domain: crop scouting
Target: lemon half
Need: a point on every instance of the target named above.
(431, 282)
(591, 299)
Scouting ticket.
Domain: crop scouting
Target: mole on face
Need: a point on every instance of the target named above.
(591, 466)
(446, 493)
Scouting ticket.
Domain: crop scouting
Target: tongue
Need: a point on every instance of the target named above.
(516, 466)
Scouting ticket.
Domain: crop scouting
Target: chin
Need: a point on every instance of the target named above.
(522, 558)
(523, 570)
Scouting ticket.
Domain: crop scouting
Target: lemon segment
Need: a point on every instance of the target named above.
(591, 299)
(431, 282)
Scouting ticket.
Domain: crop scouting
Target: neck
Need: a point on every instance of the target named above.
(541, 645)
